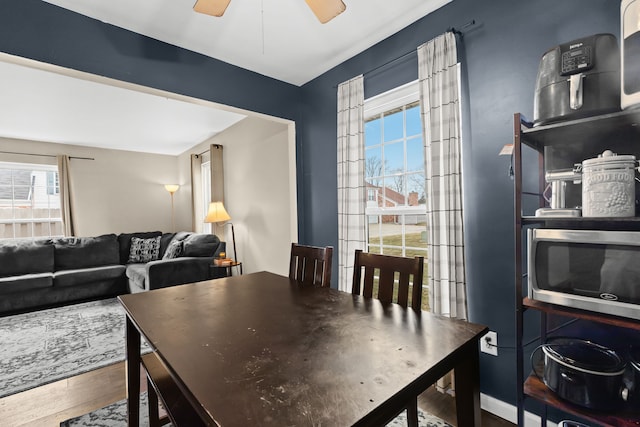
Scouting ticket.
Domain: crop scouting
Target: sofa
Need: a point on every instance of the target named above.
(50, 272)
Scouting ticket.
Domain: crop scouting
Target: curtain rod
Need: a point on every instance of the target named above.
(45, 155)
(206, 151)
(415, 52)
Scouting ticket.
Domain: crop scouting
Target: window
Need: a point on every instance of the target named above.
(53, 182)
(205, 173)
(395, 176)
(29, 201)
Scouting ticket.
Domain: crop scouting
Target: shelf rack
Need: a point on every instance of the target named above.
(577, 139)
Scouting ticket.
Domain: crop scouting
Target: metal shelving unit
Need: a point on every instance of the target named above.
(563, 144)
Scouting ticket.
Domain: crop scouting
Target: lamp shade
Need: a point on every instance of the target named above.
(171, 188)
(216, 213)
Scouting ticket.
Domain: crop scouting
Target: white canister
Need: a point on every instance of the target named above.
(608, 186)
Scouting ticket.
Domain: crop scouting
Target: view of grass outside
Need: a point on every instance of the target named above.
(387, 240)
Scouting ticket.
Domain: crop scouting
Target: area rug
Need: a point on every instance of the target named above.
(115, 415)
(48, 345)
(424, 420)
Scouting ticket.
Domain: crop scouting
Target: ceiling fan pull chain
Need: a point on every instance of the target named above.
(262, 17)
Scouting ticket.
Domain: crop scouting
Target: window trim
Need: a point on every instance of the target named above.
(392, 99)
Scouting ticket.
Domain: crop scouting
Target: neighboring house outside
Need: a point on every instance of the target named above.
(29, 203)
(385, 197)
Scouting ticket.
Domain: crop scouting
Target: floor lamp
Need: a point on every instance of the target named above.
(172, 188)
(217, 213)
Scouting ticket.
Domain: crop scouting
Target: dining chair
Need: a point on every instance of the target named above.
(311, 265)
(393, 273)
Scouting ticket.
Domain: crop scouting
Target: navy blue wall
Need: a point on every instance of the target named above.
(501, 54)
(44, 32)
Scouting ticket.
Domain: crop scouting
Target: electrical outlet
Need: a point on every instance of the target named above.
(489, 343)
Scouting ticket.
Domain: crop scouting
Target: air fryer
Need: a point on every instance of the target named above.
(578, 79)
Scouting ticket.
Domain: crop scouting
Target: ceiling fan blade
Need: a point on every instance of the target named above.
(326, 10)
(211, 7)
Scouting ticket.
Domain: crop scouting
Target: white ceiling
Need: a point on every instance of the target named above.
(40, 105)
(280, 39)
(277, 38)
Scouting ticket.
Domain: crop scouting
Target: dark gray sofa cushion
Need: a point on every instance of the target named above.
(168, 238)
(164, 242)
(85, 276)
(72, 253)
(200, 245)
(26, 282)
(124, 243)
(18, 258)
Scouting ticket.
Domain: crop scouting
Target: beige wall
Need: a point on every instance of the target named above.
(123, 191)
(118, 191)
(260, 190)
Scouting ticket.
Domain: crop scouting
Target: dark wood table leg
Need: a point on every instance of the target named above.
(132, 367)
(412, 413)
(467, 386)
(152, 400)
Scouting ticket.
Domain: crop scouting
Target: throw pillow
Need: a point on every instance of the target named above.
(174, 250)
(144, 250)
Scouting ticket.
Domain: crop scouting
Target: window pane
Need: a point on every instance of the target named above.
(391, 235)
(416, 234)
(414, 122)
(394, 191)
(372, 132)
(5, 177)
(373, 163)
(415, 187)
(393, 158)
(393, 126)
(415, 155)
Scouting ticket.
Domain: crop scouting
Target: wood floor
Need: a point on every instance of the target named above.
(49, 405)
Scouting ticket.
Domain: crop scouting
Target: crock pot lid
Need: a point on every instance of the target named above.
(586, 356)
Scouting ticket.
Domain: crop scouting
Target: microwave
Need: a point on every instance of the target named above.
(596, 270)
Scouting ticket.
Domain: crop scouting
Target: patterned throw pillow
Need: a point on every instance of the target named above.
(174, 250)
(144, 250)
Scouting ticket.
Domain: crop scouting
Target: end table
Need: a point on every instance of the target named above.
(229, 268)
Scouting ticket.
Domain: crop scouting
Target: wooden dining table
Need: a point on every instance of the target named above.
(262, 350)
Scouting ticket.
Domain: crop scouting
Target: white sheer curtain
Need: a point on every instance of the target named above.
(351, 186)
(66, 201)
(440, 98)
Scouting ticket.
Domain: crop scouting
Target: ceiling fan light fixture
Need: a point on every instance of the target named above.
(211, 7)
(326, 10)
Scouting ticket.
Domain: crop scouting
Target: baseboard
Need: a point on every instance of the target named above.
(509, 412)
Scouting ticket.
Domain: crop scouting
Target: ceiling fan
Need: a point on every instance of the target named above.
(325, 10)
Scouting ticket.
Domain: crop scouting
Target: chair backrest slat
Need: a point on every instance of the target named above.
(311, 265)
(393, 273)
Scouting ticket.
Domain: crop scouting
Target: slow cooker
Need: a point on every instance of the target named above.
(585, 373)
(634, 364)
